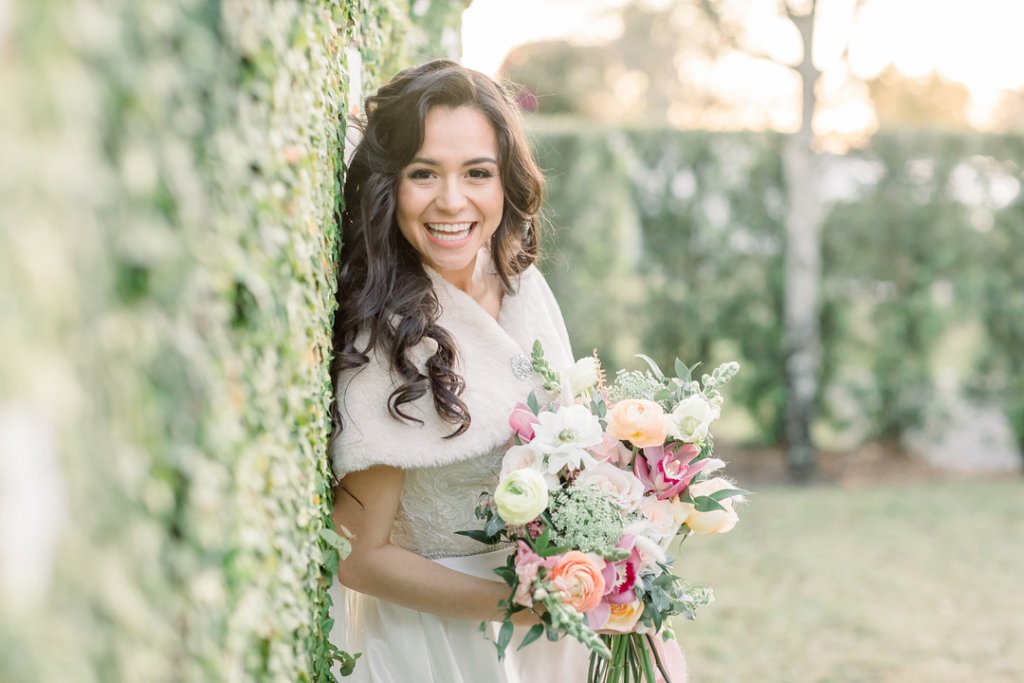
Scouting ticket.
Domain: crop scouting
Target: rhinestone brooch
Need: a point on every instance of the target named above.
(522, 368)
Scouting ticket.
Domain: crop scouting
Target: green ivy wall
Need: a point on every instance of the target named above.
(169, 178)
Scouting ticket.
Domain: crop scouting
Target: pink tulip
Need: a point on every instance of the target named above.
(521, 420)
(667, 471)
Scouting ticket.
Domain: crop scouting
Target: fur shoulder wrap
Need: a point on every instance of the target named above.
(486, 347)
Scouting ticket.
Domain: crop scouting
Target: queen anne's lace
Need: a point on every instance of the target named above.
(438, 501)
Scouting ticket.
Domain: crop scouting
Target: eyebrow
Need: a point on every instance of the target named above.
(471, 162)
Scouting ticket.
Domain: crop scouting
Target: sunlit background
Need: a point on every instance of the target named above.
(683, 223)
(941, 48)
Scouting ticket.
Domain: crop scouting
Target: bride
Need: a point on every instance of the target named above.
(439, 304)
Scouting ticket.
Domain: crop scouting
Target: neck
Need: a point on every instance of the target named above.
(473, 278)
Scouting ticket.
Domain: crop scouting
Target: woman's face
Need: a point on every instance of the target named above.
(450, 197)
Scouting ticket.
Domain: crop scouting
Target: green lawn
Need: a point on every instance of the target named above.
(922, 582)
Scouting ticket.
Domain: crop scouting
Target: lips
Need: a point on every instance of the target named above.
(449, 232)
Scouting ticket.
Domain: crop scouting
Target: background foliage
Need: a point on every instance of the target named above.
(685, 230)
(169, 181)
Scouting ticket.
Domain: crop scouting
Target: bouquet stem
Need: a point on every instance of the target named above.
(634, 660)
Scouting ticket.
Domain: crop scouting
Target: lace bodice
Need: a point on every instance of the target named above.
(438, 501)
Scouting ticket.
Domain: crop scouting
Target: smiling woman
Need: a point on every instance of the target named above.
(437, 300)
(450, 197)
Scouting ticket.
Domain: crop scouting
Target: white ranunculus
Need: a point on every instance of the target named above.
(621, 486)
(581, 376)
(564, 437)
(690, 419)
(527, 457)
(521, 496)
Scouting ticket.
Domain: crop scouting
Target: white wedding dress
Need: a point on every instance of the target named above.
(443, 480)
(400, 645)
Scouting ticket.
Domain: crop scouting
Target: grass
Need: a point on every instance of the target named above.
(916, 582)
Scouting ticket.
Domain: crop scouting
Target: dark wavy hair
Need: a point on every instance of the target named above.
(383, 289)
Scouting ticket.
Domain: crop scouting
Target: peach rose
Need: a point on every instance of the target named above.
(715, 521)
(623, 618)
(578, 574)
(639, 421)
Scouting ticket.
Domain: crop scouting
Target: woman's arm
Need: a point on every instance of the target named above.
(366, 502)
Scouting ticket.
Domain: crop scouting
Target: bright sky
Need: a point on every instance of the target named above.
(975, 42)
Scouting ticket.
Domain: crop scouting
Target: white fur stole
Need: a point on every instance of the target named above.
(486, 348)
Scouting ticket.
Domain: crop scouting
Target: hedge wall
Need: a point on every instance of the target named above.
(671, 242)
(169, 178)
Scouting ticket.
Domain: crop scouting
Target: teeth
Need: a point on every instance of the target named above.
(449, 232)
(449, 227)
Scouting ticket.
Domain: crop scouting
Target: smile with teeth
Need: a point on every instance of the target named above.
(449, 232)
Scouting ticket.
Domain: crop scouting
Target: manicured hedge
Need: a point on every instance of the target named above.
(671, 242)
(169, 182)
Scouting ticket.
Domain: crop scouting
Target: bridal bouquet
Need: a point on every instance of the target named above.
(599, 481)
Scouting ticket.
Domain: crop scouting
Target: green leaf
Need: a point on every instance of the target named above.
(722, 494)
(532, 401)
(494, 526)
(478, 535)
(554, 550)
(340, 544)
(707, 504)
(331, 561)
(681, 369)
(531, 635)
(653, 365)
(504, 637)
(506, 573)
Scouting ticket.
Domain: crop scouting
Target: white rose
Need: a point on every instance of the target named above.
(690, 420)
(715, 521)
(620, 486)
(581, 376)
(658, 520)
(526, 457)
(521, 496)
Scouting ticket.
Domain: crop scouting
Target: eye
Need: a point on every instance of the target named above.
(420, 174)
(480, 173)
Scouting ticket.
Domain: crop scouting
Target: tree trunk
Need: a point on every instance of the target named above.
(805, 214)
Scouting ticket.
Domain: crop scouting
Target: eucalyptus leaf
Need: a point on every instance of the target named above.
(658, 374)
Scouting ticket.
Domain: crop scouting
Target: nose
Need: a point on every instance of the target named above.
(450, 197)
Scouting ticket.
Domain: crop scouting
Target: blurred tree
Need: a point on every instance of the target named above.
(901, 101)
(634, 78)
(1009, 113)
(806, 211)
